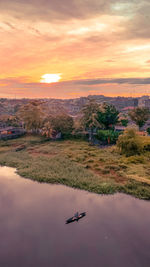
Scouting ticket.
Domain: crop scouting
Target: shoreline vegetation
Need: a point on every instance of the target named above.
(77, 164)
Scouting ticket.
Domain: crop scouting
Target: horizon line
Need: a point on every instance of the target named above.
(48, 98)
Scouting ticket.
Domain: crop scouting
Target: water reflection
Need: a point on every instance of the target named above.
(33, 232)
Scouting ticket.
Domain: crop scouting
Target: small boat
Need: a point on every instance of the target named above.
(76, 217)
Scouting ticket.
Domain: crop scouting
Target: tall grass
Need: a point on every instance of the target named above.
(76, 164)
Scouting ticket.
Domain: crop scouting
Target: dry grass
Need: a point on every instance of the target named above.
(77, 164)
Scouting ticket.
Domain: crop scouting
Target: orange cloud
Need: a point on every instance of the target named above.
(80, 39)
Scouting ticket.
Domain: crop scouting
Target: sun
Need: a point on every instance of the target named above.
(50, 78)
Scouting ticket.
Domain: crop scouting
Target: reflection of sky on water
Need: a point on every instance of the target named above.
(115, 231)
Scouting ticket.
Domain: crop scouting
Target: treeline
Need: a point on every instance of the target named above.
(94, 119)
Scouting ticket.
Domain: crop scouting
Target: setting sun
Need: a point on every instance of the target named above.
(50, 78)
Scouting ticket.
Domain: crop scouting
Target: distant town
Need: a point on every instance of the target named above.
(73, 106)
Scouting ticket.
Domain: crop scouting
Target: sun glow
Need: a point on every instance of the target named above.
(50, 78)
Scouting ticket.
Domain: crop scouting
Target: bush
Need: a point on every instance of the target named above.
(146, 143)
(148, 130)
(107, 136)
(130, 143)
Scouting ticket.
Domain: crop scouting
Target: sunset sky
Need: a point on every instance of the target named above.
(92, 46)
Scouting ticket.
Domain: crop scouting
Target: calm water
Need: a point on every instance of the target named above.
(115, 232)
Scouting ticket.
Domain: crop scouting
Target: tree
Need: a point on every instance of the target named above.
(107, 116)
(124, 122)
(63, 123)
(9, 120)
(139, 116)
(47, 129)
(89, 118)
(32, 116)
(108, 136)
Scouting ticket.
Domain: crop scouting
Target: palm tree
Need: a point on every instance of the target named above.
(89, 118)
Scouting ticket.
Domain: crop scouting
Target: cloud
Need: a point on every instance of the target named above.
(114, 81)
(62, 10)
(23, 82)
(136, 13)
(82, 39)
(10, 25)
(138, 24)
(21, 87)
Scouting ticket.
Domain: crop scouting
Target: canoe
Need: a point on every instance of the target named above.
(76, 218)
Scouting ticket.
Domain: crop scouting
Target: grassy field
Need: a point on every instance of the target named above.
(76, 164)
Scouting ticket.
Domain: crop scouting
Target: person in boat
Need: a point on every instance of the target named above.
(76, 216)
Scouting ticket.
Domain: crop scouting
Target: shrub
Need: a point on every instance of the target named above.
(146, 143)
(148, 130)
(124, 122)
(107, 136)
(129, 143)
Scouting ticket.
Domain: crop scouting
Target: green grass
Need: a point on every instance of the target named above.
(76, 164)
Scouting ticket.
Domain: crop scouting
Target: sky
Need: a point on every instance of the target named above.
(95, 47)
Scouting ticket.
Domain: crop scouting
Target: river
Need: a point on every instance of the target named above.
(114, 233)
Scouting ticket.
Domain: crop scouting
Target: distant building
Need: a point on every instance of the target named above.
(11, 132)
(142, 133)
(127, 109)
(147, 103)
(135, 101)
(120, 128)
(144, 102)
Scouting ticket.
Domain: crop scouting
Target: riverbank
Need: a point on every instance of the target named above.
(76, 164)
